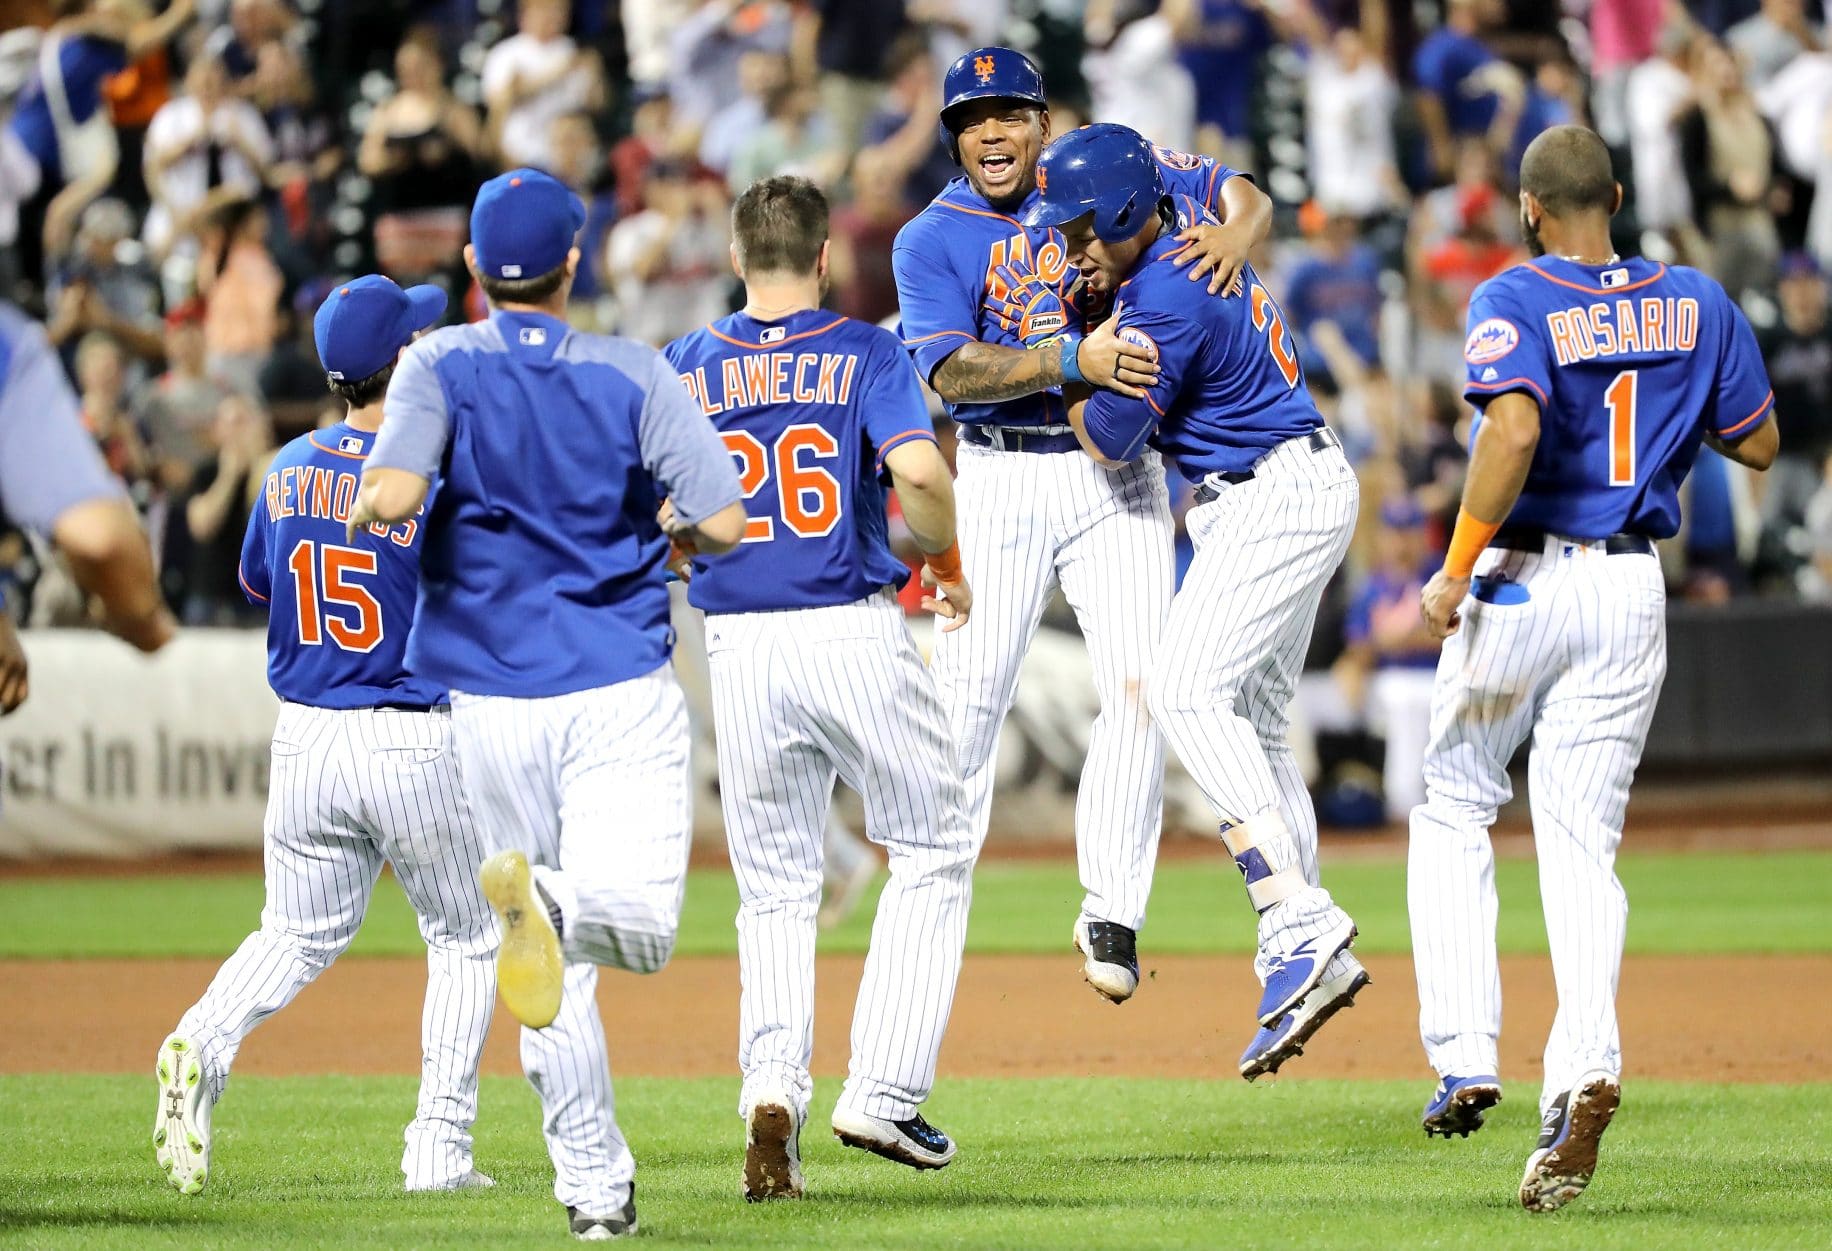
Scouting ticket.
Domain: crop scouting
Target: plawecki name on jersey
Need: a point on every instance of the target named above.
(773, 378)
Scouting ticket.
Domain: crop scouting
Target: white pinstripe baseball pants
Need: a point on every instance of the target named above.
(1577, 666)
(800, 696)
(1028, 522)
(1229, 663)
(350, 789)
(593, 786)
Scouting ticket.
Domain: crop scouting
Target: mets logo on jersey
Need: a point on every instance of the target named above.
(985, 67)
(1491, 340)
(1138, 338)
(1173, 159)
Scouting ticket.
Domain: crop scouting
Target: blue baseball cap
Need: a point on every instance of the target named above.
(523, 223)
(363, 325)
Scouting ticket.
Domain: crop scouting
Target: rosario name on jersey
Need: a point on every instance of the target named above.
(945, 259)
(1229, 388)
(1632, 363)
(808, 407)
(338, 610)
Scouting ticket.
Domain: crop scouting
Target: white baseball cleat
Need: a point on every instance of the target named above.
(914, 1142)
(1110, 957)
(473, 1180)
(772, 1149)
(181, 1125)
(529, 971)
(1566, 1157)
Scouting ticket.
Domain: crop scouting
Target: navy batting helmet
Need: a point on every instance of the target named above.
(986, 74)
(1103, 169)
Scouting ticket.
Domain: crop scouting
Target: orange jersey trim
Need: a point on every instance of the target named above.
(1578, 286)
(1507, 383)
(898, 439)
(758, 347)
(1154, 404)
(939, 334)
(243, 579)
(1001, 217)
(312, 438)
(1761, 410)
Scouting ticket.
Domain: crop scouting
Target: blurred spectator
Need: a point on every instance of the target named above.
(1333, 298)
(668, 263)
(241, 287)
(579, 163)
(902, 134)
(849, 45)
(795, 139)
(1460, 81)
(421, 147)
(706, 48)
(534, 76)
(1389, 659)
(1622, 35)
(734, 127)
(104, 283)
(1134, 74)
(1349, 102)
(220, 498)
(1660, 94)
(647, 32)
(292, 380)
(1774, 36)
(862, 233)
(252, 26)
(654, 135)
(1729, 159)
(1221, 44)
(205, 150)
(1457, 265)
(177, 409)
(101, 381)
(1798, 350)
(1816, 577)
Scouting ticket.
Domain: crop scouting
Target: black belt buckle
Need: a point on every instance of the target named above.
(1621, 543)
(1321, 440)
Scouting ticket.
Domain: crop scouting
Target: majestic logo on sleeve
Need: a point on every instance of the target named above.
(1138, 338)
(984, 66)
(1173, 159)
(1491, 340)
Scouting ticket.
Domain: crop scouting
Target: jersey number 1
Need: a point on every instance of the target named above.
(1619, 399)
(1266, 314)
(359, 627)
(809, 495)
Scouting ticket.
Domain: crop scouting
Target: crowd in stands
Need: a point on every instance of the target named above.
(181, 184)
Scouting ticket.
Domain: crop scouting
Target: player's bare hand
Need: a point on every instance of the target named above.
(1116, 364)
(670, 523)
(1441, 602)
(1217, 250)
(953, 600)
(13, 687)
(681, 552)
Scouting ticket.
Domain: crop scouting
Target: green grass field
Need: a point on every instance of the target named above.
(1721, 904)
(312, 1163)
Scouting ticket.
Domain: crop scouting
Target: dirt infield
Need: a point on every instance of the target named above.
(1016, 1016)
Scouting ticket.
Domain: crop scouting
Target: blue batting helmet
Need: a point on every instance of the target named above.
(987, 74)
(1104, 169)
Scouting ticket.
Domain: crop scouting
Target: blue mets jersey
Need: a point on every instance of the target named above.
(544, 562)
(1632, 363)
(944, 260)
(808, 406)
(339, 610)
(1229, 388)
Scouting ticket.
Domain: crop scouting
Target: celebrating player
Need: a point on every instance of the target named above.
(542, 605)
(1275, 509)
(814, 674)
(1597, 377)
(363, 771)
(1033, 514)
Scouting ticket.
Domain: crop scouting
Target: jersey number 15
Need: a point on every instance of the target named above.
(356, 623)
(808, 496)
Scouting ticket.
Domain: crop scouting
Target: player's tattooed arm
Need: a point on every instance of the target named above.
(980, 373)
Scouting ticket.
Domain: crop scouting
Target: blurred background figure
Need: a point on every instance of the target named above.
(213, 514)
(667, 263)
(535, 76)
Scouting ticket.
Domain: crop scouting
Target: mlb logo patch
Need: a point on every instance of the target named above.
(349, 443)
(1490, 340)
(511, 271)
(1614, 278)
(773, 334)
(533, 336)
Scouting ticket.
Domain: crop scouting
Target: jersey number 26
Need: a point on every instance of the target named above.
(345, 610)
(809, 496)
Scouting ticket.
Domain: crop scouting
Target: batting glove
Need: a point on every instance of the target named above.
(1024, 305)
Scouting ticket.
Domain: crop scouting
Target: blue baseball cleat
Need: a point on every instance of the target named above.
(1566, 1156)
(1293, 974)
(1275, 1044)
(1458, 1104)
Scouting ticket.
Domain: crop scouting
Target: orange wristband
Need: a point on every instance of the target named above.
(1466, 543)
(945, 565)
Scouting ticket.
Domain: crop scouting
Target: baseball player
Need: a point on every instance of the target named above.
(1034, 514)
(1597, 377)
(1275, 509)
(363, 771)
(815, 675)
(542, 605)
(54, 482)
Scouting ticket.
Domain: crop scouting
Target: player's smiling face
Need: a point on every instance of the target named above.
(1000, 141)
(1103, 266)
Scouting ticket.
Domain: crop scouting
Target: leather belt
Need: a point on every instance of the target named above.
(1019, 440)
(1522, 539)
(1319, 440)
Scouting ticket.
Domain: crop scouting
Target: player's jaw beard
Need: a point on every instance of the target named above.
(1529, 231)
